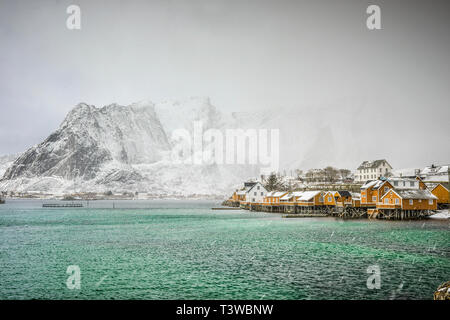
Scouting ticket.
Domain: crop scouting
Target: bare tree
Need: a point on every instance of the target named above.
(330, 174)
(344, 173)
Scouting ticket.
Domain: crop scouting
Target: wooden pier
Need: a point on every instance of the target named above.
(62, 205)
(287, 208)
(345, 212)
(291, 210)
(303, 215)
(398, 214)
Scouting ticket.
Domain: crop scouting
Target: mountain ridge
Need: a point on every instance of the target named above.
(122, 148)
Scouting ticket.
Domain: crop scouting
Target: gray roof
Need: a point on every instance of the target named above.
(415, 194)
(372, 164)
(375, 184)
(432, 185)
(344, 193)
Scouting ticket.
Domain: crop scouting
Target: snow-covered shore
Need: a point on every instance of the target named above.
(441, 214)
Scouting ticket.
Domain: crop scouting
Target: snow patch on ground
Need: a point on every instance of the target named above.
(441, 214)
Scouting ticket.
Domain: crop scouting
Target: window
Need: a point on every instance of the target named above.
(412, 184)
(257, 188)
(411, 202)
(397, 201)
(395, 183)
(430, 201)
(374, 198)
(262, 193)
(255, 193)
(386, 200)
(253, 200)
(420, 200)
(404, 183)
(329, 199)
(386, 189)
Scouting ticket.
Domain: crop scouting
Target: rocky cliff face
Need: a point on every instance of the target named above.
(89, 137)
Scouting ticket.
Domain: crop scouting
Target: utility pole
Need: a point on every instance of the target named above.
(448, 176)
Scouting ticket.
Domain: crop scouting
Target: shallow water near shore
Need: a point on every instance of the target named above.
(184, 250)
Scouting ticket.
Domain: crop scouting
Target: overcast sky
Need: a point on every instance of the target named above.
(244, 55)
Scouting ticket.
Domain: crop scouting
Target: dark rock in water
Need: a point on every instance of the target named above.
(443, 292)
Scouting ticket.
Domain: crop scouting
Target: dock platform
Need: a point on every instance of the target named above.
(62, 205)
(302, 215)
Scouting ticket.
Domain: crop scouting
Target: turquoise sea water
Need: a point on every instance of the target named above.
(184, 250)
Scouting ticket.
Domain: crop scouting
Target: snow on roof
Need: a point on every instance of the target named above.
(373, 164)
(291, 195)
(375, 184)
(275, 194)
(402, 179)
(241, 192)
(405, 172)
(249, 188)
(432, 185)
(287, 196)
(404, 183)
(435, 169)
(415, 194)
(369, 184)
(379, 184)
(436, 178)
(308, 195)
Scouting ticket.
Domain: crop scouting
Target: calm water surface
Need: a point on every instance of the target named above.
(184, 250)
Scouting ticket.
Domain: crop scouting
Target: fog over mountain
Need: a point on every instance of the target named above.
(339, 92)
(123, 149)
(129, 148)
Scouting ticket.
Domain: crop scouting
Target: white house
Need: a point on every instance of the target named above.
(435, 173)
(404, 183)
(255, 193)
(372, 170)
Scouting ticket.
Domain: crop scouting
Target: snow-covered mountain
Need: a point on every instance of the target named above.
(6, 161)
(124, 148)
(130, 148)
(89, 137)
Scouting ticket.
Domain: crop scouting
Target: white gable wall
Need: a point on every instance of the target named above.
(256, 193)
